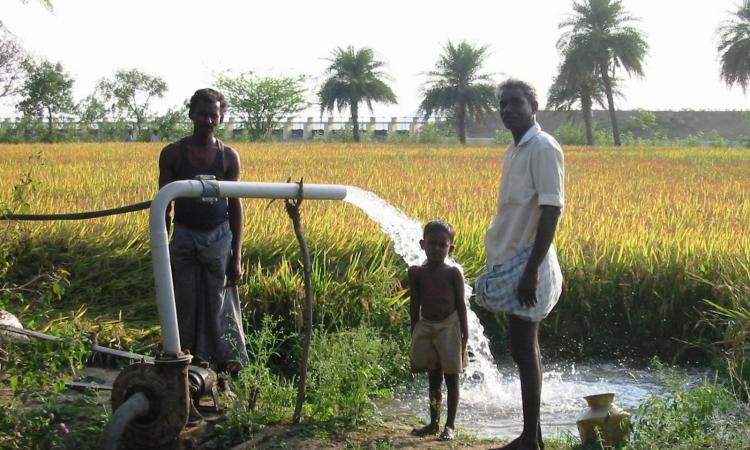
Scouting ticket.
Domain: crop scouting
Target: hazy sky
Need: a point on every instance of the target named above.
(187, 42)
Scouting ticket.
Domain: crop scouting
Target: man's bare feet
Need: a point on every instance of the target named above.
(447, 435)
(519, 444)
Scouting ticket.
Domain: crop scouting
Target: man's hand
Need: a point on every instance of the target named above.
(464, 352)
(527, 288)
(234, 271)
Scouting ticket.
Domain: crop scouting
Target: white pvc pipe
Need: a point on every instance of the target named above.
(195, 188)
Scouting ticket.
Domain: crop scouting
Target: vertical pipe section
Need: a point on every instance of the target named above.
(200, 188)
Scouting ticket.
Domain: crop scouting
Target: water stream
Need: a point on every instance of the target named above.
(490, 394)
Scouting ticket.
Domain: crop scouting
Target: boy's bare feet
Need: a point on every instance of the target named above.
(447, 435)
(426, 430)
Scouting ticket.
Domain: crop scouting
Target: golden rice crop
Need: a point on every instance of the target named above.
(639, 227)
(685, 202)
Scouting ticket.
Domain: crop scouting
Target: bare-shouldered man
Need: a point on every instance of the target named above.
(207, 240)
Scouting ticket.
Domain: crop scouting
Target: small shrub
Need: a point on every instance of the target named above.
(347, 370)
(707, 416)
(570, 134)
(432, 133)
(503, 137)
(716, 140)
(603, 137)
(262, 397)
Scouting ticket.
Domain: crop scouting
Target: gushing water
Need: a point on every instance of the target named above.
(405, 234)
(491, 398)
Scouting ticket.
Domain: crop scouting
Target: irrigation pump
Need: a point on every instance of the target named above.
(151, 403)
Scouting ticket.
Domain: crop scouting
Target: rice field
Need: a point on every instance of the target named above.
(646, 235)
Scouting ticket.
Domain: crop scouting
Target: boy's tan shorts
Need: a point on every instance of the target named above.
(437, 345)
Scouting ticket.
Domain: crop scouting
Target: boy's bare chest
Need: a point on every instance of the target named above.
(436, 286)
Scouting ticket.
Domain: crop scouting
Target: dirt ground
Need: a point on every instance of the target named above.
(389, 435)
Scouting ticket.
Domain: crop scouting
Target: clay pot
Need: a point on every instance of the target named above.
(603, 421)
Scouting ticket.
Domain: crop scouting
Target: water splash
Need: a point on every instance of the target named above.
(490, 401)
(405, 234)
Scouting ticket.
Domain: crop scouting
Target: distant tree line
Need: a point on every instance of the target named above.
(597, 45)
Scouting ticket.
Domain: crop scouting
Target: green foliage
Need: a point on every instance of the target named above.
(707, 416)
(55, 423)
(433, 133)
(11, 63)
(131, 92)
(28, 430)
(603, 137)
(716, 140)
(457, 88)
(644, 121)
(503, 137)
(341, 136)
(354, 289)
(48, 92)
(171, 125)
(92, 110)
(570, 134)
(354, 76)
(732, 319)
(694, 140)
(347, 370)
(262, 397)
(599, 36)
(39, 368)
(734, 45)
(262, 101)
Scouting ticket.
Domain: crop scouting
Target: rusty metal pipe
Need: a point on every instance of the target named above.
(135, 406)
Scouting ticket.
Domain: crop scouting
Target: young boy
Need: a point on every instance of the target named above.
(438, 324)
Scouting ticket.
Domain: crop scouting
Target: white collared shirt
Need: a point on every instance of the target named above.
(533, 175)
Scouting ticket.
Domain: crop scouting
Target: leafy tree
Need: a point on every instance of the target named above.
(262, 101)
(48, 91)
(173, 124)
(354, 76)
(91, 110)
(131, 92)
(576, 83)
(457, 87)
(599, 31)
(734, 47)
(11, 64)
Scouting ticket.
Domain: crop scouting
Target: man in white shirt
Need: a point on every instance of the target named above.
(529, 204)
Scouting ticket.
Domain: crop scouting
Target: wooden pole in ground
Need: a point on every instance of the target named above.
(292, 208)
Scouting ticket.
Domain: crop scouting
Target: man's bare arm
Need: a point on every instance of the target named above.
(545, 234)
(236, 218)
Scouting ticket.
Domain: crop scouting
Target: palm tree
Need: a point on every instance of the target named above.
(577, 83)
(457, 87)
(354, 76)
(598, 30)
(734, 47)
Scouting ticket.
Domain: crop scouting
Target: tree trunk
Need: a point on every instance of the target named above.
(587, 118)
(610, 103)
(138, 124)
(355, 119)
(49, 124)
(461, 119)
